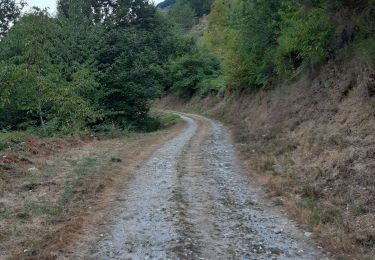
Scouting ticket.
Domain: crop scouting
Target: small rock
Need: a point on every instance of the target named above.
(277, 168)
(277, 231)
(33, 169)
(49, 163)
(307, 234)
(276, 251)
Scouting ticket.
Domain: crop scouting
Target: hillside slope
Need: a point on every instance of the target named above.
(312, 145)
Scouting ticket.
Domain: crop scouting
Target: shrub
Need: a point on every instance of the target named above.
(192, 73)
(365, 49)
(305, 39)
(9, 138)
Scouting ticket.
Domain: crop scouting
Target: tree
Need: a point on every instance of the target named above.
(182, 14)
(191, 72)
(201, 7)
(10, 11)
(36, 92)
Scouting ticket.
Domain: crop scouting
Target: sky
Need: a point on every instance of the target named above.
(43, 3)
(52, 4)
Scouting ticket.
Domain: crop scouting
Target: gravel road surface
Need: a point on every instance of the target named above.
(191, 200)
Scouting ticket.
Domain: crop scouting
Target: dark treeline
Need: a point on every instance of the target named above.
(96, 63)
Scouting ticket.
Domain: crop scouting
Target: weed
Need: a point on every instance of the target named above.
(71, 187)
(315, 212)
(4, 213)
(310, 191)
(81, 167)
(331, 216)
(116, 159)
(267, 165)
(365, 49)
(30, 186)
(358, 209)
(41, 208)
(112, 130)
(9, 138)
(317, 172)
(169, 119)
(198, 110)
(23, 215)
(66, 195)
(259, 98)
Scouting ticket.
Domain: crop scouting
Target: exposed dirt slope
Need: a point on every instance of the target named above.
(312, 144)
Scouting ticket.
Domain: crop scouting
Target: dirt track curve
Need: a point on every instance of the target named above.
(190, 200)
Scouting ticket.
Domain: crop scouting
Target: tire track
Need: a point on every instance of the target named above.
(191, 200)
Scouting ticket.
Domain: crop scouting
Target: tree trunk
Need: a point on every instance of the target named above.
(41, 119)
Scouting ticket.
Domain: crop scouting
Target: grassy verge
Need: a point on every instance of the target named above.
(50, 188)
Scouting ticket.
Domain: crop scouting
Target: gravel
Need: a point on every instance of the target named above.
(192, 200)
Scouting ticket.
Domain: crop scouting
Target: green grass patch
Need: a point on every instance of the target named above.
(41, 208)
(23, 215)
(365, 48)
(168, 119)
(358, 209)
(315, 212)
(321, 215)
(4, 213)
(9, 138)
(81, 168)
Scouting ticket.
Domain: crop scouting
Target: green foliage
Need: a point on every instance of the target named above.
(116, 159)
(192, 73)
(9, 138)
(182, 14)
(261, 42)
(365, 49)
(165, 119)
(305, 38)
(23, 215)
(201, 7)
(10, 10)
(86, 67)
(358, 209)
(4, 213)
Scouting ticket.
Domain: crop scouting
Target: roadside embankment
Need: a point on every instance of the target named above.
(312, 145)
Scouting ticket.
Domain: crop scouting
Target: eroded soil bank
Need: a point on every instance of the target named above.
(312, 145)
(191, 200)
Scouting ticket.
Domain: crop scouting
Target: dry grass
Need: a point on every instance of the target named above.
(51, 190)
(322, 133)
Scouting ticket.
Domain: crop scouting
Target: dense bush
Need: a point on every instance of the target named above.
(193, 74)
(97, 62)
(261, 42)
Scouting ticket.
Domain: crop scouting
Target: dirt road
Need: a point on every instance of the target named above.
(191, 200)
